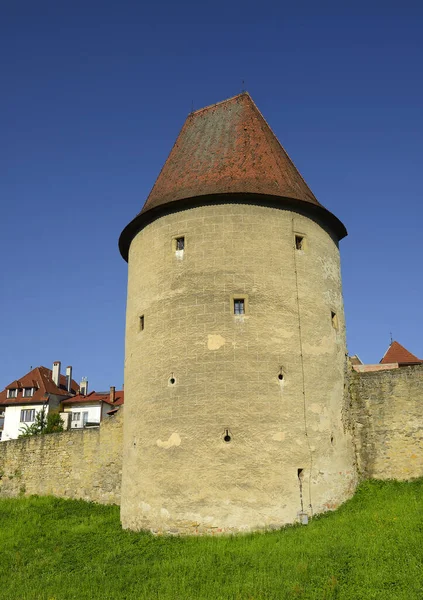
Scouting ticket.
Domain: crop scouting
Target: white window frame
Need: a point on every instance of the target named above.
(31, 392)
(27, 412)
(14, 394)
(76, 416)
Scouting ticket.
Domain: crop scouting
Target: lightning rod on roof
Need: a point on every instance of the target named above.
(390, 333)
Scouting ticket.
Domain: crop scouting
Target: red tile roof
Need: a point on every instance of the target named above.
(398, 354)
(40, 378)
(95, 397)
(227, 148)
(224, 148)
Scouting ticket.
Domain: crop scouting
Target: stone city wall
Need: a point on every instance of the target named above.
(387, 421)
(385, 416)
(84, 463)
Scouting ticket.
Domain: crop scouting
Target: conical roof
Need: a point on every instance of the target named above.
(398, 354)
(227, 149)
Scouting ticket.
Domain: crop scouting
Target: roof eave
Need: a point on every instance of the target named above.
(315, 211)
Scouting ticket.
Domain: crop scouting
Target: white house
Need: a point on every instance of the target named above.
(24, 397)
(88, 410)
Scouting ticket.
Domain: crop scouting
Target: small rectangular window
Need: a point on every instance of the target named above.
(239, 306)
(180, 243)
(27, 392)
(12, 393)
(76, 416)
(299, 242)
(142, 323)
(28, 415)
(334, 319)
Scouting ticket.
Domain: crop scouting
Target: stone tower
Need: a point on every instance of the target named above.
(235, 337)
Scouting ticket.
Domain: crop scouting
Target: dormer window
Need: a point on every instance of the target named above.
(12, 393)
(28, 392)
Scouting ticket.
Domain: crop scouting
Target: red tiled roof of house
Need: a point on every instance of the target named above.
(398, 354)
(94, 397)
(41, 379)
(227, 148)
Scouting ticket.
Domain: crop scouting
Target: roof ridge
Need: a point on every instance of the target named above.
(209, 106)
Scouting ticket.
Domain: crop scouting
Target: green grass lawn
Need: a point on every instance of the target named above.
(372, 547)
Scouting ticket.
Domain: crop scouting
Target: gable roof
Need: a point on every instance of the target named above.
(95, 397)
(40, 378)
(227, 149)
(398, 354)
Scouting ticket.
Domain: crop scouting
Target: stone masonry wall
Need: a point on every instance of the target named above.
(387, 421)
(85, 463)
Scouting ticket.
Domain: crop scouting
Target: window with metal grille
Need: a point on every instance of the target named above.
(180, 243)
(239, 306)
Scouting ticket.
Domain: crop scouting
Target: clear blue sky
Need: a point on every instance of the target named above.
(92, 97)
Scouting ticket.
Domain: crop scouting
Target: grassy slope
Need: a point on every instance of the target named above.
(372, 547)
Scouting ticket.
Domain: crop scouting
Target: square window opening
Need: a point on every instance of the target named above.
(179, 243)
(299, 242)
(239, 306)
(334, 319)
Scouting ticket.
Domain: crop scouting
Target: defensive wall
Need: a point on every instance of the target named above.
(385, 416)
(84, 463)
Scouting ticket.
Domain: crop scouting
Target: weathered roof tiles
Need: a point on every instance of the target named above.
(227, 152)
(227, 148)
(398, 354)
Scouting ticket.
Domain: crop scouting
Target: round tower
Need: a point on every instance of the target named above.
(235, 338)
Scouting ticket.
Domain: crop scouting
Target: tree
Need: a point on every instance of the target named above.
(50, 423)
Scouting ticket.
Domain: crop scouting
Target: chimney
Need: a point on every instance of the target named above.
(69, 379)
(56, 373)
(112, 393)
(83, 387)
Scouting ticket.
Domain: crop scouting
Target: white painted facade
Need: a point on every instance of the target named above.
(83, 413)
(12, 420)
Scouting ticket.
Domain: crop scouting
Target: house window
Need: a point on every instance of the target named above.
(239, 306)
(76, 416)
(12, 393)
(28, 415)
(142, 323)
(84, 418)
(27, 392)
(180, 243)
